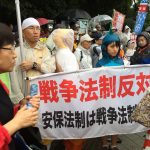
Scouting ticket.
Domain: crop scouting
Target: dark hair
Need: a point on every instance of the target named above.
(6, 36)
(116, 43)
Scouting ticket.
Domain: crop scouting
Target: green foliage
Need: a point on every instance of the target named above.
(51, 8)
(34, 8)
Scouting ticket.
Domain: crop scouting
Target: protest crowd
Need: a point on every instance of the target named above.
(59, 50)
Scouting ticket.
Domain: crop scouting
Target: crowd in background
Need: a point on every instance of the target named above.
(63, 50)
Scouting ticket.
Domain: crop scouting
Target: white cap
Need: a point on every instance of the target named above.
(85, 37)
(29, 22)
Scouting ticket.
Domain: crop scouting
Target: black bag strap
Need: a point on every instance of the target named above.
(81, 57)
(95, 50)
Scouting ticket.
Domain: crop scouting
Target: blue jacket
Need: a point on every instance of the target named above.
(110, 62)
(106, 59)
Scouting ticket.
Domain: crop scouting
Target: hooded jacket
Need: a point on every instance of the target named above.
(107, 60)
(142, 54)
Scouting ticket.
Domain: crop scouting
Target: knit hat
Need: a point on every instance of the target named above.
(29, 22)
(146, 35)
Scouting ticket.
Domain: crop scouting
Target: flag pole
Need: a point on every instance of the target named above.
(19, 28)
(21, 42)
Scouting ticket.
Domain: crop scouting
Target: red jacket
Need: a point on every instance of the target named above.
(5, 138)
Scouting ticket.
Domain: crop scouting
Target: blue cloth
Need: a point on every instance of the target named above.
(107, 60)
(110, 62)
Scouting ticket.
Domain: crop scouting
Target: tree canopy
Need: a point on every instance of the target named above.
(52, 8)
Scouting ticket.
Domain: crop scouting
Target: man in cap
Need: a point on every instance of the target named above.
(37, 59)
(82, 52)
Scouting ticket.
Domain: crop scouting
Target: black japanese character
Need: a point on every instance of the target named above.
(58, 119)
(90, 118)
(47, 118)
(101, 116)
(122, 115)
(80, 119)
(130, 110)
(69, 119)
(111, 115)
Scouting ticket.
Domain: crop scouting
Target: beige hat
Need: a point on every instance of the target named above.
(85, 37)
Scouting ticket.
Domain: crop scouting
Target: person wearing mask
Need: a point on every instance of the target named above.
(10, 124)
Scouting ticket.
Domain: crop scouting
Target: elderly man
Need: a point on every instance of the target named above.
(82, 52)
(37, 59)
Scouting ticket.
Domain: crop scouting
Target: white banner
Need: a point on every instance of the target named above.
(90, 103)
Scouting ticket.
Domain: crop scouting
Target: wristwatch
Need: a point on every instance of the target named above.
(34, 66)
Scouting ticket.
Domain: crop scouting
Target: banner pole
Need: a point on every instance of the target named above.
(20, 42)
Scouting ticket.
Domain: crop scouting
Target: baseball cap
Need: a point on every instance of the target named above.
(85, 37)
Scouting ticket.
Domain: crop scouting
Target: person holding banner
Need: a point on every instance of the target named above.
(110, 51)
(66, 61)
(9, 124)
(142, 53)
